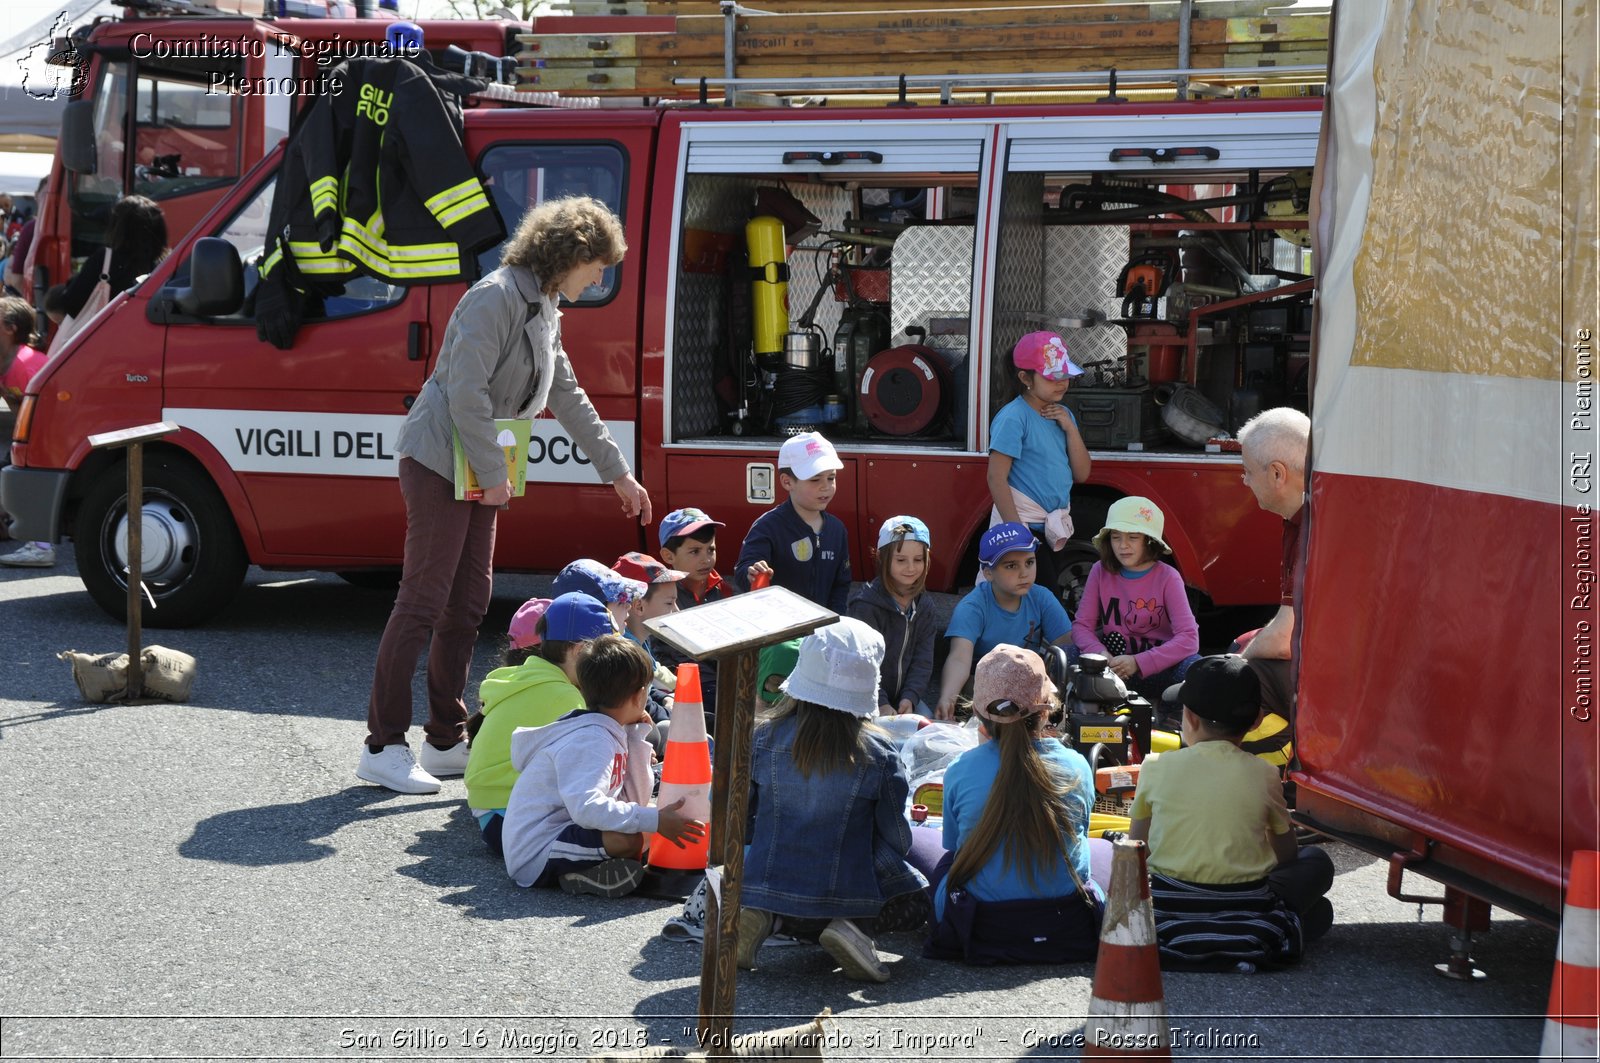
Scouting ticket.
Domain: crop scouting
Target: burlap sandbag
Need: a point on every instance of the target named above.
(168, 673)
(793, 1042)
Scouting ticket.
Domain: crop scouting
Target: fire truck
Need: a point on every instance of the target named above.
(178, 98)
(834, 264)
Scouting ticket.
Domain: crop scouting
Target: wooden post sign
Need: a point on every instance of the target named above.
(134, 439)
(733, 632)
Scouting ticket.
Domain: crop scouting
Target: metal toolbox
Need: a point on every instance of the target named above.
(1115, 417)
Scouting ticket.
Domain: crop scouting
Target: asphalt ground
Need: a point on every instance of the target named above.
(210, 880)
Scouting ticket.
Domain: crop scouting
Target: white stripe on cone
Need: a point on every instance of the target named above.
(1139, 928)
(1581, 947)
(1141, 1025)
(1568, 1042)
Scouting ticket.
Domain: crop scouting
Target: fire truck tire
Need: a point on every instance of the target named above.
(194, 561)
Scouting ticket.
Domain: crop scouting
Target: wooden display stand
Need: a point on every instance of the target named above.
(733, 632)
(134, 439)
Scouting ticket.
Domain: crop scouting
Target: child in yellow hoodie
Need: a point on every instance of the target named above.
(540, 690)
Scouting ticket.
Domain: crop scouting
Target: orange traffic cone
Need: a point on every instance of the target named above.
(1569, 1032)
(1127, 1008)
(685, 773)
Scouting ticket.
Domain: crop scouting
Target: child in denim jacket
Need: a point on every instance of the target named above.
(828, 831)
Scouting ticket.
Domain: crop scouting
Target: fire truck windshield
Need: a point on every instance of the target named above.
(162, 129)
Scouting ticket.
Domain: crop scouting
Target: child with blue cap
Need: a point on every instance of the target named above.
(1010, 607)
(894, 604)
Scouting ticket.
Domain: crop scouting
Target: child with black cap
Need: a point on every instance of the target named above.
(1229, 885)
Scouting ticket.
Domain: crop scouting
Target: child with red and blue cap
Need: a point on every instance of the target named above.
(1036, 452)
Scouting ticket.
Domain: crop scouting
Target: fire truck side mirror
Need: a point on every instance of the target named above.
(216, 279)
(77, 136)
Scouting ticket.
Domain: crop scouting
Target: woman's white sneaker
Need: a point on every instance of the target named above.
(30, 555)
(395, 768)
(441, 763)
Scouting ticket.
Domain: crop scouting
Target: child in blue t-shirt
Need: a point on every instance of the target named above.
(1011, 608)
(1036, 452)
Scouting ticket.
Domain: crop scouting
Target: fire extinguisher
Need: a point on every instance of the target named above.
(769, 274)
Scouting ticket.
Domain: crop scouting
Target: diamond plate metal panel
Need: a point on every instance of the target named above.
(930, 276)
(1019, 277)
(1081, 267)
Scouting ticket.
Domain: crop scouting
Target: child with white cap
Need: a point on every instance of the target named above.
(894, 604)
(828, 793)
(1016, 822)
(798, 542)
(1134, 609)
(1036, 452)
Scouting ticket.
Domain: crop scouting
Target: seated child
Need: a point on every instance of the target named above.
(828, 833)
(894, 604)
(689, 544)
(580, 813)
(537, 686)
(1228, 884)
(660, 598)
(798, 542)
(1016, 822)
(1010, 608)
(1134, 607)
(588, 576)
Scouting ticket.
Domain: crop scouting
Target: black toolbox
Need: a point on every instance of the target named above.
(1115, 417)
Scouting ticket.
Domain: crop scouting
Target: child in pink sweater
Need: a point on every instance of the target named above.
(1134, 608)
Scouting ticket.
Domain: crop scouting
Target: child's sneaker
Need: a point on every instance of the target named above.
(616, 877)
(755, 926)
(31, 555)
(854, 950)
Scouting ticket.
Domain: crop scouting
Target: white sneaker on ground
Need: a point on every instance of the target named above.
(854, 950)
(394, 767)
(31, 555)
(441, 763)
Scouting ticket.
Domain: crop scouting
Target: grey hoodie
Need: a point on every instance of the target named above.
(584, 768)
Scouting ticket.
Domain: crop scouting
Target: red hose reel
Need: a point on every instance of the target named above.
(904, 389)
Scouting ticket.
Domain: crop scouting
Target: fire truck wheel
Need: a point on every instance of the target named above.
(1073, 564)
(192, 560)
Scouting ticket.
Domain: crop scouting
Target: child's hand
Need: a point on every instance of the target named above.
(885, 710)
(945, 710)
(906, 708)
(676, 827)
(758, 568)
(1057, 413)
(1125, 666)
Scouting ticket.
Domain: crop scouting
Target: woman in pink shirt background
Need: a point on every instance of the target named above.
(18, 364)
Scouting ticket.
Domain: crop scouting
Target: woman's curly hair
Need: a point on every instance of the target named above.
(559, 235)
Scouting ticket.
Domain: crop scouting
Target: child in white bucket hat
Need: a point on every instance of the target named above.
(1134, 607)
(827, 803)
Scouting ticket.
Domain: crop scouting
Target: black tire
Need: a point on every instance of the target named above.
(199, 561)
(372, 579)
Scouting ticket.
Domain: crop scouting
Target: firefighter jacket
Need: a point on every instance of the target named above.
(376, 181)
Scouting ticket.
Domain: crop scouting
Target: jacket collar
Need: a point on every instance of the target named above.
(527, 284)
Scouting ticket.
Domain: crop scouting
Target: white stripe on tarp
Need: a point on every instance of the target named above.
(1138, 929)
(1566, 1042)
(1145, 1028)
(1580, 937)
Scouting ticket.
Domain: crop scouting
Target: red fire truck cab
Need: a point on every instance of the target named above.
(915, 246)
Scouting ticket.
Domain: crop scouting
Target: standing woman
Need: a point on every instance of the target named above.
(501, 357)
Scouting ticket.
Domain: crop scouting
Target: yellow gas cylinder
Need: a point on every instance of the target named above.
(769, 295)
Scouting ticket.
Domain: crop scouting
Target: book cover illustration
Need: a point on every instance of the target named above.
(513, 435)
